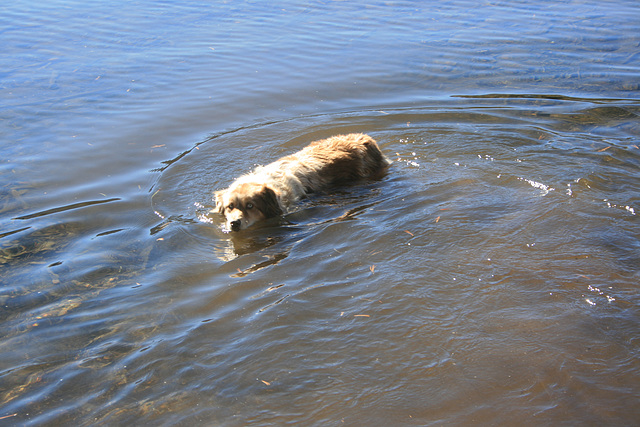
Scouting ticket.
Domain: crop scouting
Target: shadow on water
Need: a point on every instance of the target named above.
(65, 208)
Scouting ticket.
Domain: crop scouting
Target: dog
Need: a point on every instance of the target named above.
(271, 190)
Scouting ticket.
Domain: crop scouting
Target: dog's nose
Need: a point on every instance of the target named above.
(235, 225)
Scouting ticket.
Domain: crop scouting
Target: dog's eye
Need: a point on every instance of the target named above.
(249, 205)
(230, 207)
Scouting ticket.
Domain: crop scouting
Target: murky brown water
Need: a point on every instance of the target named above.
(490, 278)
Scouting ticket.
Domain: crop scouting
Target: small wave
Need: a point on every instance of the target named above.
(535, 184)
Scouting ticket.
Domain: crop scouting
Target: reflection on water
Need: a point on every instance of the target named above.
(489, 278)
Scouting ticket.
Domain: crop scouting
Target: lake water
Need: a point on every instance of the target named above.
(490, 278)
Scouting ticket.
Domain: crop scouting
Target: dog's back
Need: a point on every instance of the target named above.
(342, 159)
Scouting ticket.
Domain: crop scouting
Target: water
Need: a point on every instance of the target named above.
(490, 278)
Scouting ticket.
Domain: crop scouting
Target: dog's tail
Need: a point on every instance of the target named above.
(374, 163)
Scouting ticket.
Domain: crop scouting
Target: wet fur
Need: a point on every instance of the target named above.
(270, 190)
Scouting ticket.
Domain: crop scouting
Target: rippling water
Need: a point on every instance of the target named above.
(490, 278)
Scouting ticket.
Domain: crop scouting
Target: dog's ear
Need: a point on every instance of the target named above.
(271, 206)
(217, 197)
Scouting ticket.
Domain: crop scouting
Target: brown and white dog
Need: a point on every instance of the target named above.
(270, 190)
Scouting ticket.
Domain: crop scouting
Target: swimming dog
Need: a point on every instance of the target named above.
(271, 190)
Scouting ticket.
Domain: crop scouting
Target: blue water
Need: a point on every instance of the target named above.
(490, 278)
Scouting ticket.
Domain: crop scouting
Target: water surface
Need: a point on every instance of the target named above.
(490, 278)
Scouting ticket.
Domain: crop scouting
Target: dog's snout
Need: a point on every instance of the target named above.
(235, 225)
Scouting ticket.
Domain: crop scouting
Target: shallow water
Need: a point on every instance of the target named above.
(490, 278)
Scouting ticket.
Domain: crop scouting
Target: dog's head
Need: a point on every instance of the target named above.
(245, 204)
